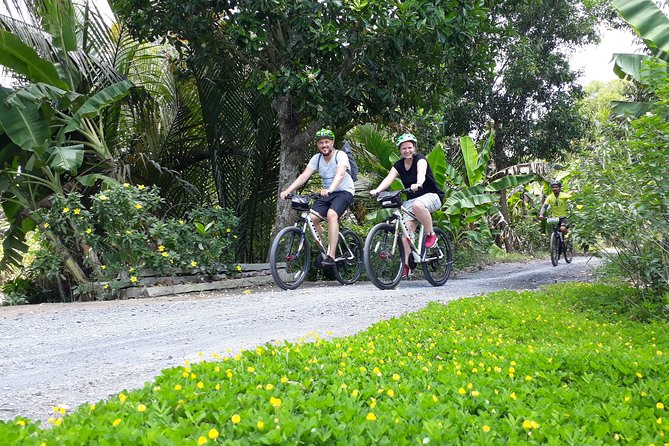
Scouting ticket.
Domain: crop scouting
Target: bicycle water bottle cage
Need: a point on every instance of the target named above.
(300, 202)
(390, 199)
(553, 220)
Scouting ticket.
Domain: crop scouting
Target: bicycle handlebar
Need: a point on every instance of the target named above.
(310, 195)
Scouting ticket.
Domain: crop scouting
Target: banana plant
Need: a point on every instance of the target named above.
(652, 25)
(52, 125)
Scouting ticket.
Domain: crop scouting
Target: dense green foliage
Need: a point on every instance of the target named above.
(509, 368)
(120, 235)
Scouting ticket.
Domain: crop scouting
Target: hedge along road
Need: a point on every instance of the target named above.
(69, 354)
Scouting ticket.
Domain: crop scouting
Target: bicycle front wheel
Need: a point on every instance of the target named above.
(384, 256)
(348, 264)
(289, 258)
(438, 260)
(555, 248)
(568, 250)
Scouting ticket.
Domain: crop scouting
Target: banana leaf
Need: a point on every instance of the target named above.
(631, 109)
(471, 158)
(27, 126)
(509, 181)
(23, 60)
(67, 159)
(60, 21)
(437, 161)
(97, 102)
(467, 199)
(649, 21)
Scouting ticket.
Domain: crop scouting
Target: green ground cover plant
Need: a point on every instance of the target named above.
(540, 367)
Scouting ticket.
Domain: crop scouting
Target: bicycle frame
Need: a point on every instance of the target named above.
(303, 222)
(400, 226)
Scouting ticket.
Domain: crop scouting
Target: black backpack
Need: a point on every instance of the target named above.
(348, 150)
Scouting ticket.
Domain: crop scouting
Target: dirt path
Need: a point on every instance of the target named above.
(69, 354)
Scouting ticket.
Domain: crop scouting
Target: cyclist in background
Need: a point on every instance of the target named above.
(338, 188)
(559, 206)
(425, 196)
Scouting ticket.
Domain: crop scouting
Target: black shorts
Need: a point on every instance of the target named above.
(337, 201)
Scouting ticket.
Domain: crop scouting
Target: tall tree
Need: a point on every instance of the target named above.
(531, 96)
(333, 63)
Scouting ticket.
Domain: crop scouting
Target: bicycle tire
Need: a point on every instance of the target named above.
(383, 265)
(568, 250)
(438, 260)
(289, 258)
(555, 249)
(348, 264)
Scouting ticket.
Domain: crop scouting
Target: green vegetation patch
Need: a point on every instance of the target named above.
(506, 368)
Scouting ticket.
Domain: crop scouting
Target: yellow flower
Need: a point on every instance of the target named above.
(513, 396)
(122, 397)
(181, 222)
(165, 254)
(275, 402)
(527, 424)
(355, 393)
(269, 387)
(236, 419)
(475, 393)
(462, 391)
(528, 378)
(105, 286)
(103, 197)
(390, 393)
(212, 434)
(66, 210)
(228, 230)
(77, 211)
(133, 279)
(141, 408)
(58, 421)
(141, 187)
(177, 387)
(138, 206)
(486, 428)
(200, 385)
(639, 375)
(161, 248)
(659, 406)
(193, 263)
(238, 267)
(21, 423)
(284, 379)
(89, 231)
(396, 377)
(116, 422)
(371, 417)
(260, 425)
(201, 441)
(46, 225)
(247, 291)
(126, 184)
(250, 369)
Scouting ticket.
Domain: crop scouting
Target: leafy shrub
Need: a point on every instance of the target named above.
(115, 234)
(507, 368)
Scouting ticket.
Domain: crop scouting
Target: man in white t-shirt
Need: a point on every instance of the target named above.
(338, 188)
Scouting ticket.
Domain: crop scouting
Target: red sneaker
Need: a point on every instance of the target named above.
(430, 240)
(405, 272)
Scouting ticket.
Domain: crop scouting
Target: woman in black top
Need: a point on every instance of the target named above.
(425, 196)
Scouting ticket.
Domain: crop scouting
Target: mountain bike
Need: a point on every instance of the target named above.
(290, 255)
(384, 252)
(558, 244)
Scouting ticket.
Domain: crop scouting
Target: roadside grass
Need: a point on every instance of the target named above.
(552, 366)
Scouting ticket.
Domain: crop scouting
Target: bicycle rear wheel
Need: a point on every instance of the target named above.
(438, 260)
(555, 248)
(289, 258)
(568, 250)
(383, 261)
(348, 264)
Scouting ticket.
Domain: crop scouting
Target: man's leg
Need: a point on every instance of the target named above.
(333, 232)
(316, 220)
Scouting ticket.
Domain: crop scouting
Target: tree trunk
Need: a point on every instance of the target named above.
(504, 210)
(294, 144)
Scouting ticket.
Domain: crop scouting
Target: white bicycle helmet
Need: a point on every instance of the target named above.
(404, 138)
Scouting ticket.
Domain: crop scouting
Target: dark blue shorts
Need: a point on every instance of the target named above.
(337, 201)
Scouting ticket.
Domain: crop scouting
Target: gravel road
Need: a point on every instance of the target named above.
(69, 354)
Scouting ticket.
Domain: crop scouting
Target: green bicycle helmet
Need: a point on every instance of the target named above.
(324, 133)
(404, 138)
